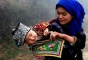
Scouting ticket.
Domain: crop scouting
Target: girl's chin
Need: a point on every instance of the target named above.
(62, 23)
(31, 42)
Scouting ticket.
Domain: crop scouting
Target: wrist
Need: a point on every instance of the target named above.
(71, 39)
(74, 40)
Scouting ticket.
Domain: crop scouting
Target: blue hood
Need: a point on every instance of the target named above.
(76, 10)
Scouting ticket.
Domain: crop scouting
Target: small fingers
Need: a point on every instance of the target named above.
(46, 32)
(52, 37)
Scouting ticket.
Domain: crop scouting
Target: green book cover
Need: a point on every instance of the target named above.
(48, 48)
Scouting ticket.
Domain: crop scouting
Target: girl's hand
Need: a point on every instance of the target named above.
(70, 39)
(46, 32)
(55, 35)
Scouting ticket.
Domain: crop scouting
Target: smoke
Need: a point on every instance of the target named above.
(28, 12)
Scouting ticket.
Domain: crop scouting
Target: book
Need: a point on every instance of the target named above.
(48, 48)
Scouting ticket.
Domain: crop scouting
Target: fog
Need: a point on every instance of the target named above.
(28, 12)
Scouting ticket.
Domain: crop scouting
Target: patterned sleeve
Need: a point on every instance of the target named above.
(39, 28)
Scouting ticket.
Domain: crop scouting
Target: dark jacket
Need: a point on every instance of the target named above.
(70, 52)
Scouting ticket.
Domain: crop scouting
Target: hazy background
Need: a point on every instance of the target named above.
(28, 12)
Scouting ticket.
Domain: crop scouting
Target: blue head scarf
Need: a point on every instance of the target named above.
(76, 10)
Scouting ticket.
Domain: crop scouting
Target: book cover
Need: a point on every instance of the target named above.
(48, 48)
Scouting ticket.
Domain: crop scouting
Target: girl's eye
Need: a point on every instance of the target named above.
(58, 13)
(64, 14)
(30, 34)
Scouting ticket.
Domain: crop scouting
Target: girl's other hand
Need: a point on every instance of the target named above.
(46, 32)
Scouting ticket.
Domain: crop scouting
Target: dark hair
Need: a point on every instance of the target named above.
(58, 5)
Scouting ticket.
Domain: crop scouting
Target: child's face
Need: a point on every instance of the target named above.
(31, 37)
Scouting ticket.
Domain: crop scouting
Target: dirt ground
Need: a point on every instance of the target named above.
(30, 56)
(24, 57)
(85, 51)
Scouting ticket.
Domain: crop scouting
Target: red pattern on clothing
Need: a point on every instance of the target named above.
(40, 27)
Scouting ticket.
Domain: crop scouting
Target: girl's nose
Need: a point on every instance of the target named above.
(60, 16)
(34, 37)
